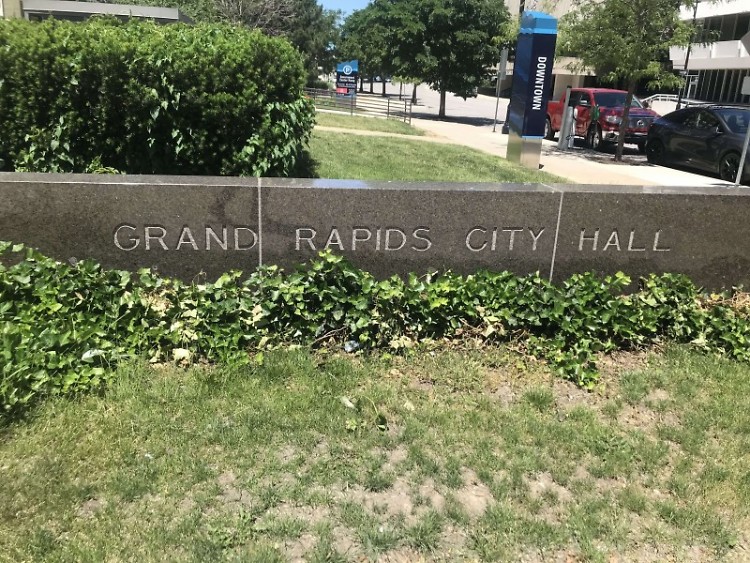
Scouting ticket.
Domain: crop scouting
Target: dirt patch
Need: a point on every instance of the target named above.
(298, 549)
(555, 497)
(657, 396)
(311, 515)
(286, 454)
(345, 544)
(475, 497)
(542, 486)
(403, 555)
(643, 418)
(392, 502)
(428, 491)
(504, 394)
(453, 543)
(89, 508)
(614, 364)
(395, 457)
(231, 495)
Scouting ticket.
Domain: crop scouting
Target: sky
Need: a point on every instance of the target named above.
(346, 6)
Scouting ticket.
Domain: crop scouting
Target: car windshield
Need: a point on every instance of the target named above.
(736, 119)
(615, 99)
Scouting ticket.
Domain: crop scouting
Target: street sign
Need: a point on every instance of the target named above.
(347, 74)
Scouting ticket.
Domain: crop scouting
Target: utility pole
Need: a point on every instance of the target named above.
(500, 77)
(687, 56)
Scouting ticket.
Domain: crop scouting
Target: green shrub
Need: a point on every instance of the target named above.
(318, 84)
(143, 98)
(63, 327)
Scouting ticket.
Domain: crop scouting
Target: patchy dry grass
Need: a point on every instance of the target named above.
(345, 121)
(483, 456)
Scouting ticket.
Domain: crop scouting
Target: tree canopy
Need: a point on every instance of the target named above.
(307, 26)
(449, 44)
(626, 40)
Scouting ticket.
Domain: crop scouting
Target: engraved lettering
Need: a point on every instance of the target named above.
(334, 239)
(308, 239)
(211, 234)
(134, 240)
(377, 239)
(594, 240)
(631, 248)
(425, 239)
(186, 237)
(614, 240)
(535, 238)
(512, 232)
(388, 233)
(147, 231)
(237, 245)
(468, 240)
(356, 238)
(493, 246)
(656, 243)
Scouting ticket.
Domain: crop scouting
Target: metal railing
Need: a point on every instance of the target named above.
(361, 104)
(673, 98)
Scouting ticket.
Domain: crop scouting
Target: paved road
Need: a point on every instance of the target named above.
(470, 122)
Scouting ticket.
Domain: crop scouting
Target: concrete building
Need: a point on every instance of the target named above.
(715, 71)
(36, 10)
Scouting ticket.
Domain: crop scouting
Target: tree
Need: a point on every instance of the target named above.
(626, 40)
(450, 44)
(307, 26)
(364, 37)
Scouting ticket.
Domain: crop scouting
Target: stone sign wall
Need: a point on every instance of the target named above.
(198, 227)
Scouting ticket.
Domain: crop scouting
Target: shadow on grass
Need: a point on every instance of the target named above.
(305, 167)
(464, 120)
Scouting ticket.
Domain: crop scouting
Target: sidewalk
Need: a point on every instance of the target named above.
(580, 165)
(470, 123)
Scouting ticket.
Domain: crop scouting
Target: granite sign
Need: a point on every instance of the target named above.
(198, 227)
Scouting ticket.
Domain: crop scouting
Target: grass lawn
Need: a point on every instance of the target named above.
(340, 155)
(366, 123)
(446, 455)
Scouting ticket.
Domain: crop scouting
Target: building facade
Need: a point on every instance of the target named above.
(36, 10)
(714, 71)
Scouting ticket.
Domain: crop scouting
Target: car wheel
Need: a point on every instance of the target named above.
(594, 138)
(548, 132)
(654, 151)
(728, 166)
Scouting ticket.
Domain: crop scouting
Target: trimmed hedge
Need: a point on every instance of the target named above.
(152, 99)
(64, 328)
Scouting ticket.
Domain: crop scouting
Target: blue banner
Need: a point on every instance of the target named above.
(532, 74)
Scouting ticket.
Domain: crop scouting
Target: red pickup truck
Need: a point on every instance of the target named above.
(598, 116)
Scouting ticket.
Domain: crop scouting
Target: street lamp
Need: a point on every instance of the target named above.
(687, 56)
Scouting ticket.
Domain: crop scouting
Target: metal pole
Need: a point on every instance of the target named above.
(562, 142)
(742, 158)
(500, 77)
(687, 57)
(388, 109)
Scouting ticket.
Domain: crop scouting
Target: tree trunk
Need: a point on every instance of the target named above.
(414, 95)
(400, 89)
(371, 85)
(362, 84)
(625, 121)
(441, 113)
(384, 86)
